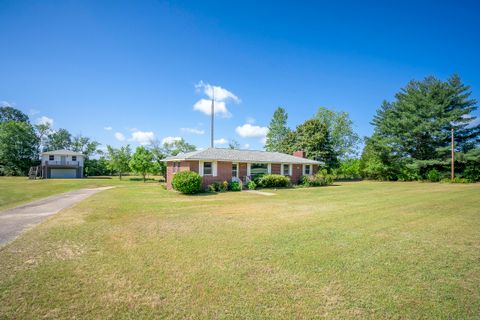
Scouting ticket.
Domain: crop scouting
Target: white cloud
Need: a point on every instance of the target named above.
(108, 128)
(119, 136)
(222, 96)
(193, 130)
(251, 131)
(205, 106)
(45, 120)
(170, 140)
(221, 141)
(246, 146)
(142, 137)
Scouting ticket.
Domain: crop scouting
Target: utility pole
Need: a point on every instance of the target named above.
(213, 116)
(453, 158)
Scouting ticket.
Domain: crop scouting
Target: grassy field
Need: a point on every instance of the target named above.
(355, 250)
(18, 190)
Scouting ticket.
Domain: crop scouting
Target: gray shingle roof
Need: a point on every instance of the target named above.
(63, 153)
(217, 154)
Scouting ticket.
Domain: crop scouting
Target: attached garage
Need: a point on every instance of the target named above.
(63, 173)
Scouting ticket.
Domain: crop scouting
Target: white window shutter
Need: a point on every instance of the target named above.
(200, 168)
(269, 168)
(303, 170)
(281, 169)
(214, 168)
(290, 169)
(249, 168)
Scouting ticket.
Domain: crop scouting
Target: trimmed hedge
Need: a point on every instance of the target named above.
(188, 182)
(274, 181)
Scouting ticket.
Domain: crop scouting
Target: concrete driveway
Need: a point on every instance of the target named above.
(16, 220)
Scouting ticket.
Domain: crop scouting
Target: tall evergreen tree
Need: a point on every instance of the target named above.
(418, 123)
(277, 130)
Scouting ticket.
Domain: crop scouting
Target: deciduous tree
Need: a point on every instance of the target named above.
(142, 162)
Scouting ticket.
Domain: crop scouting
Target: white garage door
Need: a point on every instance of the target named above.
(63, 173)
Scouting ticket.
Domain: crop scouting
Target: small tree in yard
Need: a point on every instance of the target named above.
(142, 162)
(119, 159)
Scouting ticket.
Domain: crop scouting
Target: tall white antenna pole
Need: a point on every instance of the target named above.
(213, 116)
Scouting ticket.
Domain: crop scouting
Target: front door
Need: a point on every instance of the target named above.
(63, 159)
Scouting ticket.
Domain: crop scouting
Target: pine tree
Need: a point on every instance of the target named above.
(277, 131)
(418, 123)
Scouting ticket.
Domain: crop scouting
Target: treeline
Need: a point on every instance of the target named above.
(22, 142)
(411, 139)
(145, 160)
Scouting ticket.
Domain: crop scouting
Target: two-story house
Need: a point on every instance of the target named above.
(61, 164)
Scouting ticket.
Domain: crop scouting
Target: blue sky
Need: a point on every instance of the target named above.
(124, 71)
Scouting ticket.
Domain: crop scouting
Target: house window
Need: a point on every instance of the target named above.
(51, 157)
(234, 169)
(74, 158)
(286, 169)
(176, 166)
(207, 168)
(307, 169)
(258, 169)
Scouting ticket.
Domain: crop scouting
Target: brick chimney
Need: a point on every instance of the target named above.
(299, 154)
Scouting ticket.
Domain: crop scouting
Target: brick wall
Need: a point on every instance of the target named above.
(297, 171)
(224, 173)
(276, 168)
(184, 166)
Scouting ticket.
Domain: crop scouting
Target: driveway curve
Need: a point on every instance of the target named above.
(16, 220)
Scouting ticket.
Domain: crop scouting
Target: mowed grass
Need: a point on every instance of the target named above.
(355, 250)
(19, 190)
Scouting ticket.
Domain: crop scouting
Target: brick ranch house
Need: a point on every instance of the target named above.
(215, 164)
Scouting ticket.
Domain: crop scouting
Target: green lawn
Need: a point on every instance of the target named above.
(355, 250)
(18, 190)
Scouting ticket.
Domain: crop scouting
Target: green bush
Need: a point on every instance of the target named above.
(434, 176)
(235, 186)
(274, 181)
(408, 174)
(187, 182)
(322, 178)
(472, 172)
(251, 185)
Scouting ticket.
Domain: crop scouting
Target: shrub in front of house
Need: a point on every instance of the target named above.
(235, 186)
(274, 181)
(251, 185)
(188, 182)
(322, 178)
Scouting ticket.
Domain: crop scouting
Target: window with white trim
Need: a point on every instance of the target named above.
(234, 169)
(74, 158)
(308, 169)
(286, 169)
(207, 168)
(258, 169)
(51, 157)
